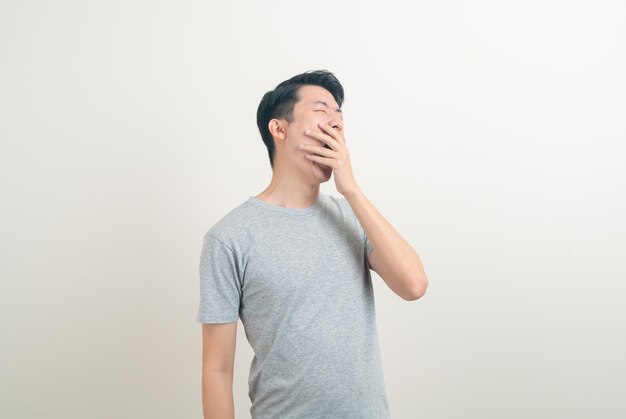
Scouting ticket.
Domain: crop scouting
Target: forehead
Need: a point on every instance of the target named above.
(310, 94)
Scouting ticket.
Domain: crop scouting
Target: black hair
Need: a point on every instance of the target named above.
(279, 103)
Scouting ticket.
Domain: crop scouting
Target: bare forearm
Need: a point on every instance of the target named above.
(399, 264)
(217, 395)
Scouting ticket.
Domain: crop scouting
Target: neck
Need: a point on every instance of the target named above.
(289, 191)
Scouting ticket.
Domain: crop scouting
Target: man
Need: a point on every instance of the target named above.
(294, 265)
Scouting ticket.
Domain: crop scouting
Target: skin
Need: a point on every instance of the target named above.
(301, 164)
(296, 178)
(309, 150)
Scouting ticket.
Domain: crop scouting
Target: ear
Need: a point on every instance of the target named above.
(278, 128)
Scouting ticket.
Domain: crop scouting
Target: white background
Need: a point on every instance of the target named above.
(490, 134)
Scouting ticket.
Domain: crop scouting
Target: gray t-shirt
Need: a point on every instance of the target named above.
(300, 282)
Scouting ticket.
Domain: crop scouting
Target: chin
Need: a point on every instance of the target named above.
(325, 173)
(325, 180)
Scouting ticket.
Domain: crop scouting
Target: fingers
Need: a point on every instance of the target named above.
(325, 138)
(322, 160)
(319, 150)
(333, 152)
(331, 138)
(337, 136)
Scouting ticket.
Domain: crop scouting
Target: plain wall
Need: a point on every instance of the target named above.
(490, 134)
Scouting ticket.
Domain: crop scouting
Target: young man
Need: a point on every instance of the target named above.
(294, 265)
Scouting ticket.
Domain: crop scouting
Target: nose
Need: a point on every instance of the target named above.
(336, 123)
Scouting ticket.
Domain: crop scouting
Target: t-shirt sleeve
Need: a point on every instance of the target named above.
(220, 285)
(368, 246)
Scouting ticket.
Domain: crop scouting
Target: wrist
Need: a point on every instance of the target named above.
(352, 193)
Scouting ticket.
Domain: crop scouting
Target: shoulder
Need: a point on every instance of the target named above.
(342, 210)
(339, 204)
(229, 227)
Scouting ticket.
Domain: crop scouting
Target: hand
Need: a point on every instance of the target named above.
(337, 158)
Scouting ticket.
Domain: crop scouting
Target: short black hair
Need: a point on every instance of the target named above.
(279, 103)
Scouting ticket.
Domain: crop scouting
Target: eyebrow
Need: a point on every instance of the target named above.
(326, 104)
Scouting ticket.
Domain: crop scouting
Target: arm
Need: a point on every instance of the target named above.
(393, 258)
(218, 358)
